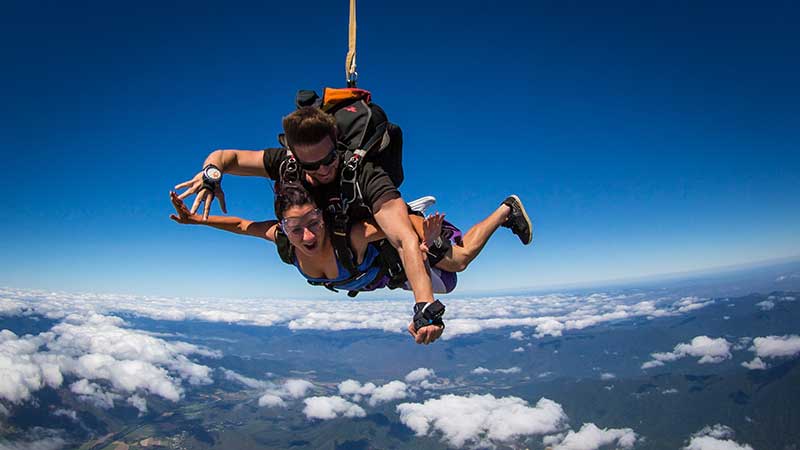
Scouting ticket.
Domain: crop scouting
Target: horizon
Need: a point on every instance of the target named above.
(648, 281)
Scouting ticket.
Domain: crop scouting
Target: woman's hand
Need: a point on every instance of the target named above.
(183, 214)
(431, 229)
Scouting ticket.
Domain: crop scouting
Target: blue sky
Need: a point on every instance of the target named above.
(644, 139)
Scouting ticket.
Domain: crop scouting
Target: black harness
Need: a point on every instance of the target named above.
(388, 263)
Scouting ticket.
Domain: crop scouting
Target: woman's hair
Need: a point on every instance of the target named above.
(288, 195)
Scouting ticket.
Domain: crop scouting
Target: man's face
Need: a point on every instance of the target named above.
(313, 158)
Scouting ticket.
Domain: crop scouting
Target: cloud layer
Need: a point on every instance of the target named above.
(547, 315)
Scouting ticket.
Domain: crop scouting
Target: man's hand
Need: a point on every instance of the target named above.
(427, 334)
(183, 214)
(204, 195)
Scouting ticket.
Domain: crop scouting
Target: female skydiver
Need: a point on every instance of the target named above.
(303, 240)
(312, 253)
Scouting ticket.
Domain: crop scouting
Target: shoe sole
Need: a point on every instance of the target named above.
(527, 219)
(422, 203)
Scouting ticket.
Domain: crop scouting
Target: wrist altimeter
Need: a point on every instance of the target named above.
(212, 177)
(428, 314)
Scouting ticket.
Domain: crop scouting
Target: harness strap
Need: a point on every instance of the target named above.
(340, 237)
(347, 182)
(285, 250)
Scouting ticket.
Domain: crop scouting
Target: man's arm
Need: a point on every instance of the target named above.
(248, 163)
(235, 162)
(392, 218)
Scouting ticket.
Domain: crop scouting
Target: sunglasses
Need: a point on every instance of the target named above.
(296, 225)
(326, 161)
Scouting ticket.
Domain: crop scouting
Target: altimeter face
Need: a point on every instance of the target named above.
(213, 173)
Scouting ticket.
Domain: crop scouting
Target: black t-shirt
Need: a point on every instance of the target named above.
(373, 182)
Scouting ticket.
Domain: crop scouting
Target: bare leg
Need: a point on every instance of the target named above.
(458, 258)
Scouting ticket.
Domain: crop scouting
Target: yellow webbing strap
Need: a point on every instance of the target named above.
(350, 62)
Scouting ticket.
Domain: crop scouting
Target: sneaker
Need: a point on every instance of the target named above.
(518, 221)
(421, 204)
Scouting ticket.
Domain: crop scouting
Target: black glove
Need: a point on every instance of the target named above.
(428, 314)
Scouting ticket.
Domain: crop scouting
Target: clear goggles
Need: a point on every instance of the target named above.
(295, 226)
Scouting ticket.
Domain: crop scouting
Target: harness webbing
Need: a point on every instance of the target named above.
(350, 62)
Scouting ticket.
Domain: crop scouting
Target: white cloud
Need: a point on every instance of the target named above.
(517, 335)
(590, 437)
(419, 374)
(36, 439)
(394, 390)
(477, 417)
(440, 384)
(485, 371)
(296, 388)
(717, 437)
(271, 401)
(330, 408)
(766, 305)
(710, 351)
(93, 393)
(669, 391)
(355, 390)
(548, 315)
(607, 376)
(742, 343)
(756, 364)
(772, 347)
(651, 364)
(518, 350)
(72, 414)
(138, 402)
(548, 326)
(97, 348)
(252, 383)
(777, 346)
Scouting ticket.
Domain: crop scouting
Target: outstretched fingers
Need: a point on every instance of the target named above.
(221, 196)
(207, 207)
(184, 184)
(198, 199)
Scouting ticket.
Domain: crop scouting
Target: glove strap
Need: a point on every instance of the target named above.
(428, 314)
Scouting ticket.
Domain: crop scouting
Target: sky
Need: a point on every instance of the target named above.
(643, 139)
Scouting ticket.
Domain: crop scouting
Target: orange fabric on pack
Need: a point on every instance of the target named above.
(333, 96)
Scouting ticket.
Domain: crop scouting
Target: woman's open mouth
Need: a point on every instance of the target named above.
(310, 246)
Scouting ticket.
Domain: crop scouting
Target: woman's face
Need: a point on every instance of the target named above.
(304, 227)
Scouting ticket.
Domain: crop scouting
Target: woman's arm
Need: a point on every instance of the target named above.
(265, 230)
